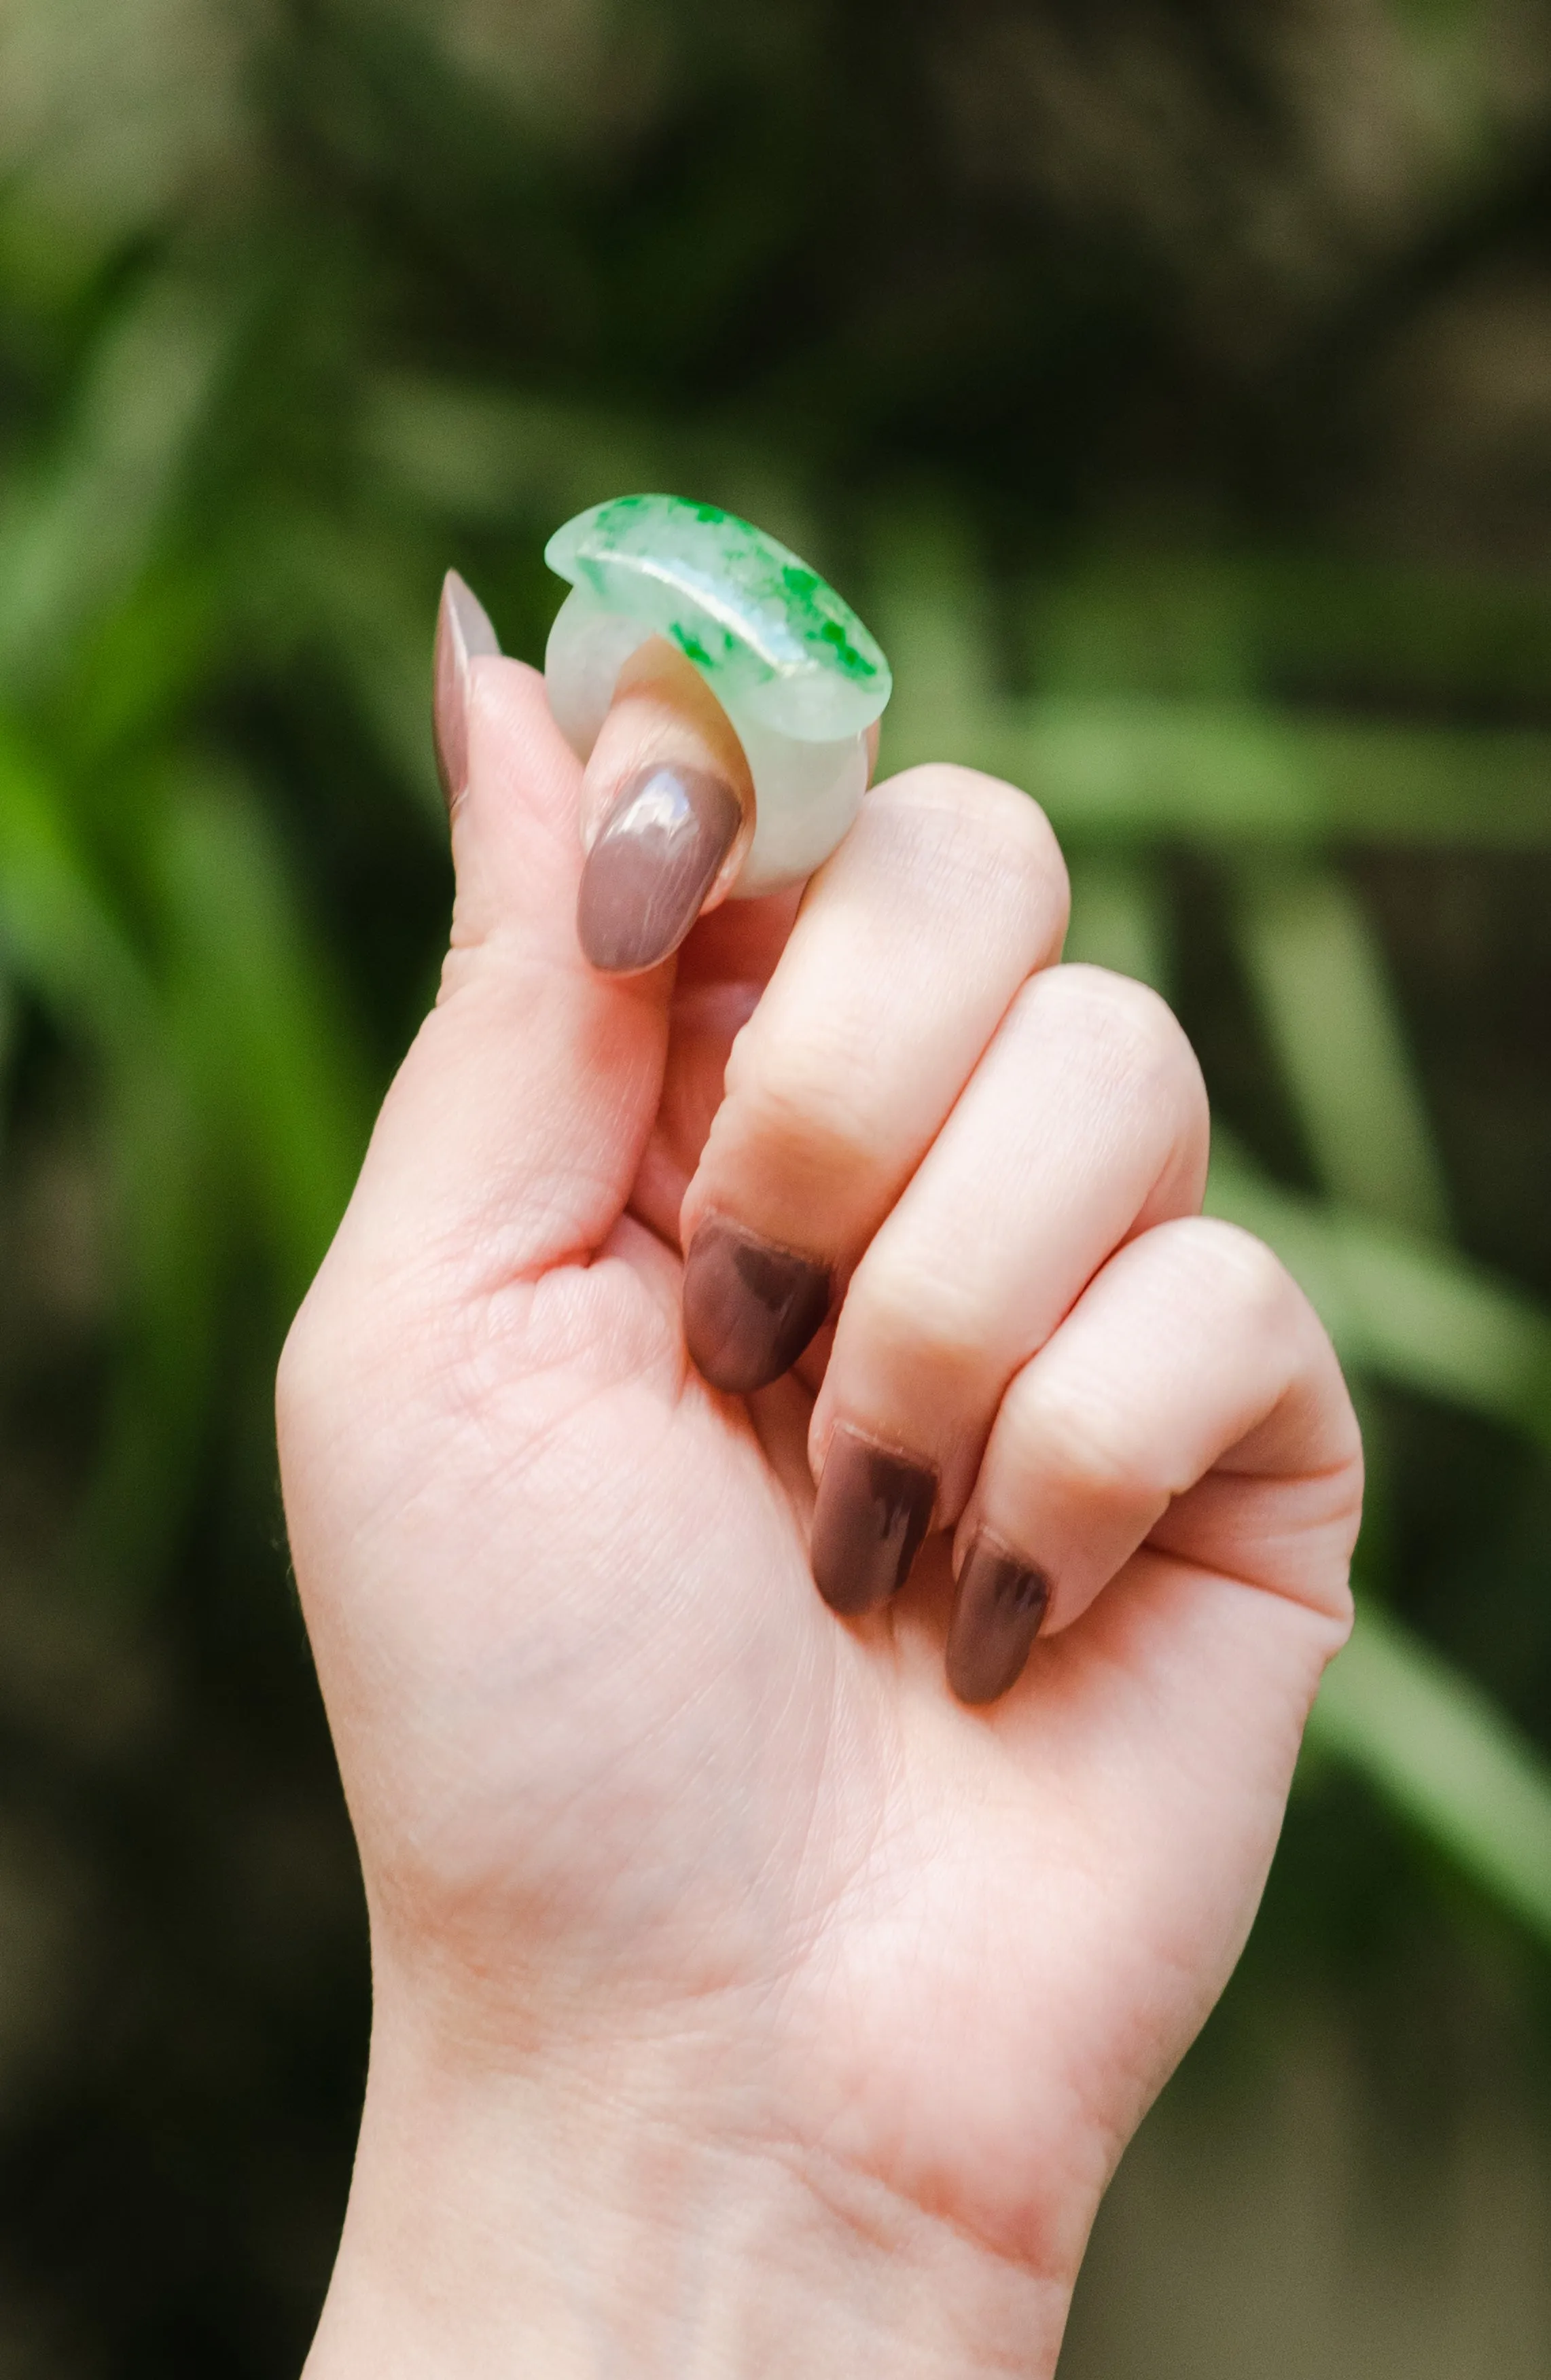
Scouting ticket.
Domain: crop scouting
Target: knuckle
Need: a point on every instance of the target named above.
(799, 1096)
(989, 837)
(1126, 1029)
(917, 1316)
(1081, 1442)
(1262, 1292)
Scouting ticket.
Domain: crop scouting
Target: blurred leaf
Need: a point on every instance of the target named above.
(1237, 776)
(1458, 635)
(82, 526)
(136, 677)
(1428, 1319)
(1118, 917)
(1223, 624)
(1148, 621)
(1122, 763)
(7, 1032)
(485, 457)
(1442, 1753)
(316, 583)
(930, 612)
(171, 1237)
(264, 1025)
(58, 937)
(1311, 957)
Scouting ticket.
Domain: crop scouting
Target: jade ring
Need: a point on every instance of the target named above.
(794, 669)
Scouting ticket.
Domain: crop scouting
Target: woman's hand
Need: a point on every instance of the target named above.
(750, 1997)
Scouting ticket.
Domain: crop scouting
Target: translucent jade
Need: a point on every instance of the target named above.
(791, 664)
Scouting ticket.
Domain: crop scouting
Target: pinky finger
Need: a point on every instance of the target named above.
(1192, 1352)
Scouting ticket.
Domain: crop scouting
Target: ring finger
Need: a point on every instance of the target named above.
(1084, 1124)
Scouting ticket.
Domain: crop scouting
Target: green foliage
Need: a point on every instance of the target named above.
(300, 304)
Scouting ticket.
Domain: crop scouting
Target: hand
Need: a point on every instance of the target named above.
(746, 1999)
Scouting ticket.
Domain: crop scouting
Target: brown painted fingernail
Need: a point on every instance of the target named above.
(750, 1310)
(463, 630)
(873, 1509)
(997, 1612)
(652, 865)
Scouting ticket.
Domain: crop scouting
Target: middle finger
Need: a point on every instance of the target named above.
(909, 947)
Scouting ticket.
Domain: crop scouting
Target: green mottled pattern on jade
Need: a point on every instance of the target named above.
(737, 602)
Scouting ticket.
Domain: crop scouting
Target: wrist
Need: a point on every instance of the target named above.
(508, 2217)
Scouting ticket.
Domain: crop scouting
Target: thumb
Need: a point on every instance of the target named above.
(512, 1134)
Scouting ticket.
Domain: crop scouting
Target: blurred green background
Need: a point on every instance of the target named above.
(1170, 385)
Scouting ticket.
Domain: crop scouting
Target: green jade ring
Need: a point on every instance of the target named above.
(790, 662)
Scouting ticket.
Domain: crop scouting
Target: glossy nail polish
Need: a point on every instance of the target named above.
(873, 1509)
(463, 631)
(653, 862)
(750, 1310)
(997, 1612)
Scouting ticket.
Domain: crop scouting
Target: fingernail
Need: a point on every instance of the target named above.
(463, 630)
(652, 865)
(750, 1310)
(996, 1615)
(873, 1510)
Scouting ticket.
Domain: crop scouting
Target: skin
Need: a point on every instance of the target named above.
(745, 2003)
